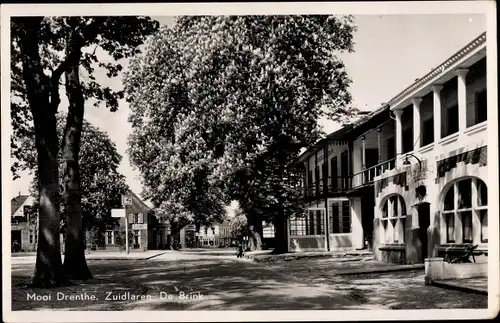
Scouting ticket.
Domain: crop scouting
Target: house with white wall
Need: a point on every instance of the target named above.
(408, 180)
(339, 188)
(435, 201)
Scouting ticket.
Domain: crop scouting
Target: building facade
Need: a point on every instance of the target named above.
(435, 200)
(144, 230)
(24, 224)
(407, 180)
(339, 188)
(216, 235)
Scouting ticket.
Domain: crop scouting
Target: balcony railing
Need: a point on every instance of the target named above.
(367, 175)
(335, 185)
(340, 184)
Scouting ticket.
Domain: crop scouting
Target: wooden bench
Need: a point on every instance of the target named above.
(459, 255)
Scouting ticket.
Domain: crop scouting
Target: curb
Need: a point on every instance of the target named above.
(271, 258)
(465, 289)
(154, 256)
(381, 270)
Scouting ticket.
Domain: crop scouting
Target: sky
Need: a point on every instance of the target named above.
(390, 52)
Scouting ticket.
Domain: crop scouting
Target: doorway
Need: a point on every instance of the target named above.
(367, 217)
(424, 221)
(15, 237)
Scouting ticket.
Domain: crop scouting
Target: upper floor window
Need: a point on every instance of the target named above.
(138, 218)
(427, 131)
(481, 106)
(427, 119)
(449, 108)
(408, 140)
(477, 109)
(407, 125)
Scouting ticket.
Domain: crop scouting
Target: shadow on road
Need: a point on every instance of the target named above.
(235, 285)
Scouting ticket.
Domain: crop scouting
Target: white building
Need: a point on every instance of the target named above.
(441, 203)
(408, 179)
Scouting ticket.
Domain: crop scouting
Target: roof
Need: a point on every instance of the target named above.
(348, 131)
(17, 202)
(139, 200)
(435, 72)
(376, 117)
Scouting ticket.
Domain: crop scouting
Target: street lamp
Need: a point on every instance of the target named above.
(406, 162)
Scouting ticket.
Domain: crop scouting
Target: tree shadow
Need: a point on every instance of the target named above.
(237, 285)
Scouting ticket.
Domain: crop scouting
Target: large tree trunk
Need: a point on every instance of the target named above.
(280, 234)
(256, 233)
(48, 268)
(74, 257)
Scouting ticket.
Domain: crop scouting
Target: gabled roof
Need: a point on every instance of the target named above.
(17, 202)
(136, 199)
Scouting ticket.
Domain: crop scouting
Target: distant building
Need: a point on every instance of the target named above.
(24, 224)
(215, 235)
(144, 229)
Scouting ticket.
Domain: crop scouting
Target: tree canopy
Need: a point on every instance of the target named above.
(238, 97)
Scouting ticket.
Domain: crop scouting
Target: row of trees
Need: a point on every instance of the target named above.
(221, 106)
(47, 54)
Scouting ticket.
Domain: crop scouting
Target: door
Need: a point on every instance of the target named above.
(344, 169)
(424, 221)
(367, 216)
(15, 237)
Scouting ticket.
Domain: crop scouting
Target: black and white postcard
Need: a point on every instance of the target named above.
(249, 161)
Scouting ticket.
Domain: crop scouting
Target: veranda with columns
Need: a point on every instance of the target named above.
(450, 103)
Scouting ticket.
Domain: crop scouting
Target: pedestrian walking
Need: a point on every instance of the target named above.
(240, 250)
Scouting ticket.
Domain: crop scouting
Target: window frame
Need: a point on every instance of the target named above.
(476, 106)
(392, 220)
(459, 211)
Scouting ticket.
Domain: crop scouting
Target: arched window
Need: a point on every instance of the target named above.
(465, 212)
(393, 220)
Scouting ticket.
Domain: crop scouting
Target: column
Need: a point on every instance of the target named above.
(316, 174)
(416, 123)
(379, 146)
(363, 155)
(357, 227)
(399, 135)
(476, 220)
(462, 99)
(308, 185)
(436, 89)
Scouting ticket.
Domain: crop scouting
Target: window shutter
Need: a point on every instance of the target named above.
(131, 218)
(141, 218)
